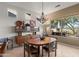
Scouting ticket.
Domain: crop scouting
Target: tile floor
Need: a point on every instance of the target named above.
(63, 50)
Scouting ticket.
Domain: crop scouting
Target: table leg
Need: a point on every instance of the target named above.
(38, 51)
(42, 50)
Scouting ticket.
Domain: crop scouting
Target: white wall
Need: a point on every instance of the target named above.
(38, 24)
(6, 23)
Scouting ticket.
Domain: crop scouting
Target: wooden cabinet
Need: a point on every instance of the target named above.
(19, 29)
(20, 40)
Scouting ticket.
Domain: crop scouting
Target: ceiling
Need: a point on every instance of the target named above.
(48, 7)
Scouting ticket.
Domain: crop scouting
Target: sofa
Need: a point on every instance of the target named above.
(3, 39)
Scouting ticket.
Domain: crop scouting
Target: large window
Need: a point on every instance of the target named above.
(69, 25)
(56, 25)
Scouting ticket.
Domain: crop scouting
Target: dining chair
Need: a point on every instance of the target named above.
(26, 48)
(30, 50)
(2, 48)
(51, 47)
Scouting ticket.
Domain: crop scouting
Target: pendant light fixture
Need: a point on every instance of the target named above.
(42, 15)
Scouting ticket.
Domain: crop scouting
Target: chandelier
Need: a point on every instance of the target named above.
(42, 15)
(42, 19)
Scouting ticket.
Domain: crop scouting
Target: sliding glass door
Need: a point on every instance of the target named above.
(70, 26)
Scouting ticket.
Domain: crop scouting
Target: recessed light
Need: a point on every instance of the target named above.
(57, 5)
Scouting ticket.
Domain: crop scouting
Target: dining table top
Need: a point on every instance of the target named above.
(37, 41)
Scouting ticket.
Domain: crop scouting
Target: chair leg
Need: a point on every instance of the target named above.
(56, 49)
(29, 52)
(1, 55)
(48, 50)
(24, 53)
(48, 53)
(24, 50)
(12, 44)
(55, 52)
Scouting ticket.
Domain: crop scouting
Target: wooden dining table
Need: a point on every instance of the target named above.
(38, 42)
